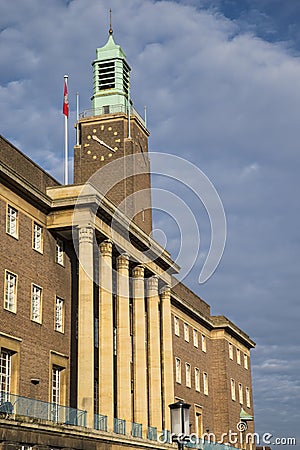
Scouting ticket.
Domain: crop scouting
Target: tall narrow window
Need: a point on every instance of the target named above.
(238, 356)
(232, 387)
(245, 361)
(205, 383)
(188, 375)
(176, 326)
(240, 393)
(37, 240)
(12, 221)
(197, 379)
(178, 370)
(195, 338)
(230, 350)
(55, 392)
(10, 300)
(59, 252)
(36, 303)
(248, 403)
(186, 332)
(59, 315)
(5, 373)
(203, 342)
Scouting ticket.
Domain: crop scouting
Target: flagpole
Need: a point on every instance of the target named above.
(66, 139)
(77, 118)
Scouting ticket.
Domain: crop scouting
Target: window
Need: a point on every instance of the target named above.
(245, 361)
(55, 391)
(195, 338)
(12, 221)
(238, 356)
(205, 383)
(36, 303)
(188, 375)
(248, 403)
(5, 371)
(230, 351)
(10, 298)
(178, 370)
(240, 393)
(203, 342)
(186, 332)
(37, 241)
(59, 252)
(176, 326)
(197, 379)
(232, 387)
(59, 315)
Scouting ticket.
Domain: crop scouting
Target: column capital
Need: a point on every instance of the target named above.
(105, 247)
(123, 261)
(86, 234)
(152, 285)
(138, 271)
(165, 291)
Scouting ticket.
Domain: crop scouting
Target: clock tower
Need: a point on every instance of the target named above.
(111, 131)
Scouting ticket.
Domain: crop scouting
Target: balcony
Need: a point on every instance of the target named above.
(37, 409)
(111, 109)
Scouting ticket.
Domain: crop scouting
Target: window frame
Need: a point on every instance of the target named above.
(60, 250)
(35, 226)
(203, 343)
(205, 383)
(40, 289)
(248, 397)
(59, 329)
(241, 396)
(238, 356)
(176, 326)
(195, 338)
(15, 293)
(188, 375)
(246, 365)
(178, 370)
(5, 371)
(232, 389)
(8, 222)
(197, 379)
(186, 332)
(230, 350)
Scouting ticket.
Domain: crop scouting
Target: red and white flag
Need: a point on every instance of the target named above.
(66, 100)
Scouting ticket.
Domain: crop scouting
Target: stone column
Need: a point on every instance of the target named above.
(123, 340)
(139, 349)
(106, 338)
(167, 356)
(154, 365)
(85, 377)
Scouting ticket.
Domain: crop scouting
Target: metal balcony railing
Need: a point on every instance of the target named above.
(119, 426)
(111, 109)
(136, 429)
(23, 406)
(100, 422)
(152, 433)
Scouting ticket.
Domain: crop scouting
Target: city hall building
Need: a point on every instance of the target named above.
(97, 338)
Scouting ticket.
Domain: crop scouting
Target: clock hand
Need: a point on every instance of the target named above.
(103, 143)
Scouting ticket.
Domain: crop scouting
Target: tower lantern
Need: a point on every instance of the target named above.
(111, 79)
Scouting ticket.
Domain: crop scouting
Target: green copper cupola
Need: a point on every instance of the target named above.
(111, 79)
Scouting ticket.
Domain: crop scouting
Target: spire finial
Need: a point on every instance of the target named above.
(110, 23)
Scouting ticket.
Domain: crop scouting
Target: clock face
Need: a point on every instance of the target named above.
(107, 151)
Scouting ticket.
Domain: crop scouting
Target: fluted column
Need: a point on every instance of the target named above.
(154, 364)
(167, 356)
(123, 340)
(139, 349)
(106, 339)
(85, 389)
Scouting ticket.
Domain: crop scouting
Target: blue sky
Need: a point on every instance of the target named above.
(221, 81)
